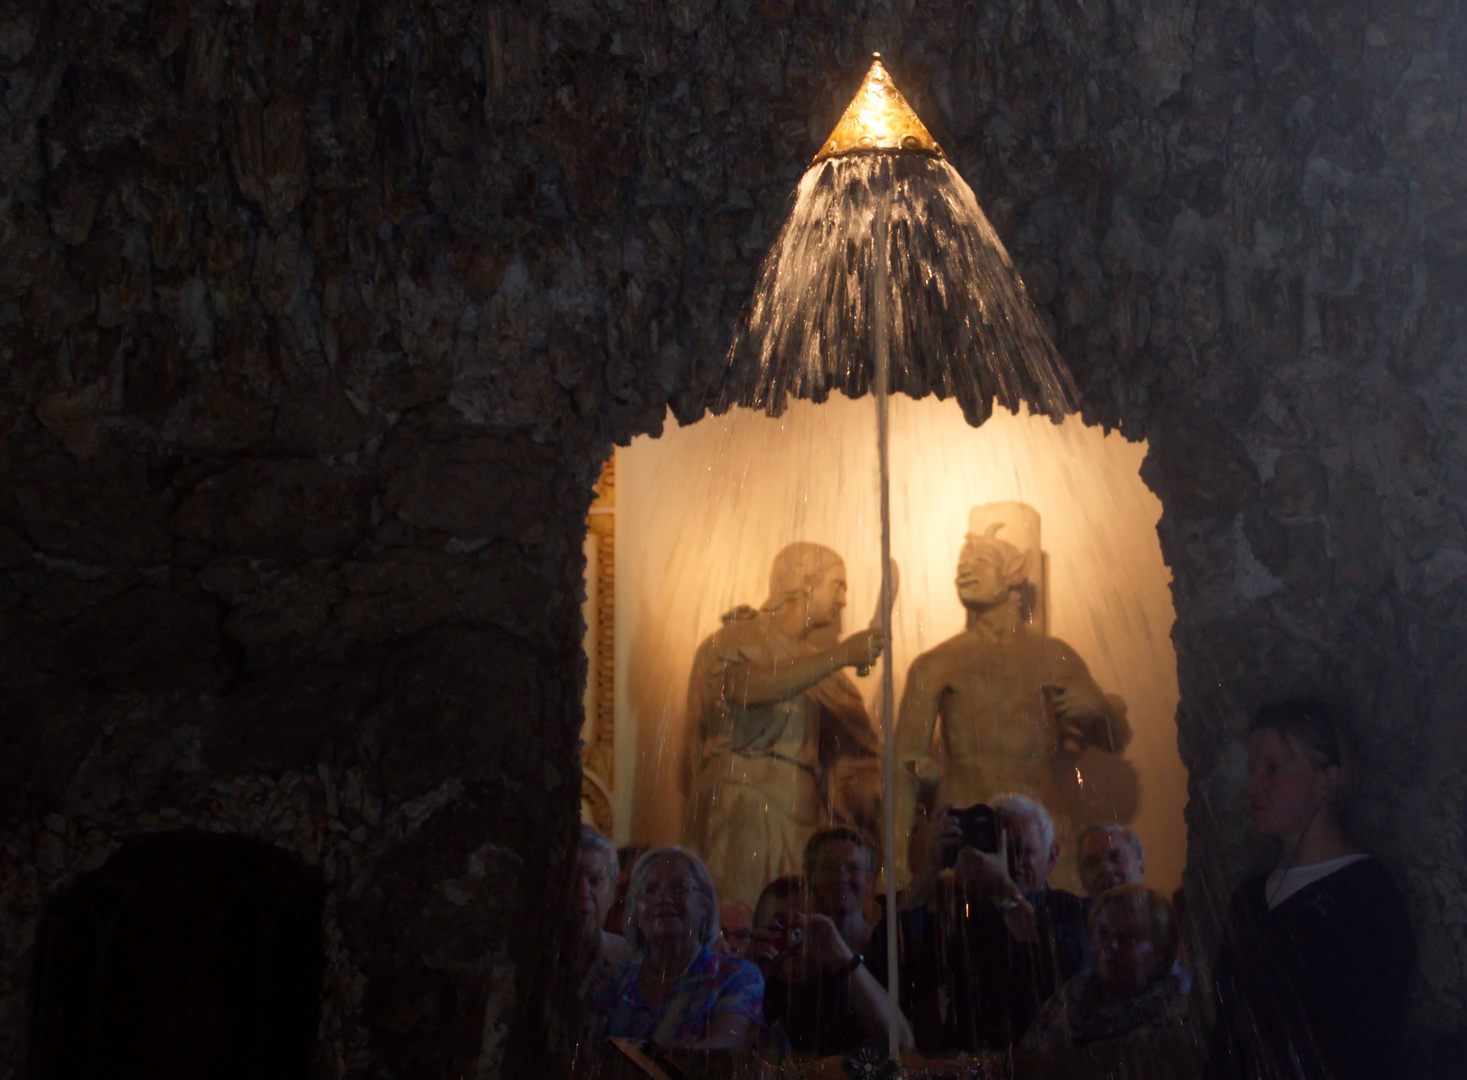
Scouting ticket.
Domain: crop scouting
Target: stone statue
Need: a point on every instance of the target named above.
(1016, 705)
(774, 726)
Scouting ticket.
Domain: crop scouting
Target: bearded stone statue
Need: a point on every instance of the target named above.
(1016, 705)
(775, 727)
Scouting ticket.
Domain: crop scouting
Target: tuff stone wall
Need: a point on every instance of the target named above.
(318, 319)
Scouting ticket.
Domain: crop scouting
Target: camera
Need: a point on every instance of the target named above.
(782, 938)
(792, 938)
(981, 825)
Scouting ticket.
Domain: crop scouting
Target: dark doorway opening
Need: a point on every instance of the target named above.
(187, 955)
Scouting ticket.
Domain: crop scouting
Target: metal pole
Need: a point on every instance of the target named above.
(881, 313)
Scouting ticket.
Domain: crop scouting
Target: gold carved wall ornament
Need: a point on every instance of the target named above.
(598, 753)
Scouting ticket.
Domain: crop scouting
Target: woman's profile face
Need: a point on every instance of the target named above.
(1286, 790)
(596, 887)
(669, 905)
(1125, 956)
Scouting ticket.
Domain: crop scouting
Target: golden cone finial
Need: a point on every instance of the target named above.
(879, 120)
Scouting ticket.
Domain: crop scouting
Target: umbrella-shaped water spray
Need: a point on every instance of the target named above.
(888, 277)
(885, 238)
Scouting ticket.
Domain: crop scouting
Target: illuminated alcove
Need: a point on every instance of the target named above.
(686, 525)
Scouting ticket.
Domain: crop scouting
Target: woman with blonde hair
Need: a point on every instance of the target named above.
(675, 990)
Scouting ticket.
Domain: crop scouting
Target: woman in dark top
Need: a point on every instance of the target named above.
(1316, 957)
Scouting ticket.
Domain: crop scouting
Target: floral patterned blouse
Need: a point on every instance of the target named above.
(713, 985)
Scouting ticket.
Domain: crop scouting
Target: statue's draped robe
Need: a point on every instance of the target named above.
(759, 775)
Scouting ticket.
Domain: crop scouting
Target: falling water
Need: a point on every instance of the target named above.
(881, 314)
(934, 278)
(887, 276)
(703, 508)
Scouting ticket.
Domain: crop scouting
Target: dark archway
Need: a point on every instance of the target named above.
(186, 955)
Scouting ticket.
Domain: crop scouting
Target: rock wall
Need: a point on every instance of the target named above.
(319, 318)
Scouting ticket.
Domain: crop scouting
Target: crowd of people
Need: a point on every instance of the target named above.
(1308, 981)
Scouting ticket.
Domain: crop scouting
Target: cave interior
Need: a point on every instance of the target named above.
(321, 319)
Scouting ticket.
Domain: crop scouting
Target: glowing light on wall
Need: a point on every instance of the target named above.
(703, 509)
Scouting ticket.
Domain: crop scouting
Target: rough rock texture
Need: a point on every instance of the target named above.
(318, 319)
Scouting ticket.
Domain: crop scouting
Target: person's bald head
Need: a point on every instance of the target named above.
(1109, 856)
(736, 919)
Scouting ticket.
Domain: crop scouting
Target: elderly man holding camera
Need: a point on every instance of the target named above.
(1009, 939)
